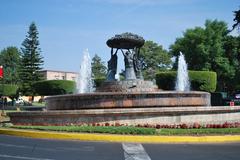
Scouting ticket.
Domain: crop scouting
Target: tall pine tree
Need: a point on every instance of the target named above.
(99, 69)
(31, 62)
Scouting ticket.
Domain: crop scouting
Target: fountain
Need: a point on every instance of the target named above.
(85, 82)
(131, 101)
(182, 82)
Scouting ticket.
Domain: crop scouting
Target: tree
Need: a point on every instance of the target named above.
(204, 50)
(232, 52)
(191, 45)
(10, 59)
(237, 20)
(31, 62)
(154, 58)
(99, 69)
(10, 90)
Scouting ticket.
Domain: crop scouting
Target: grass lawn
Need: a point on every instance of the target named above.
(8, 111)
(38, 104)
(93, 129)
(134, 130)
(201, 131)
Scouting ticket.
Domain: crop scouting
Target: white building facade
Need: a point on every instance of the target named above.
(59, 75)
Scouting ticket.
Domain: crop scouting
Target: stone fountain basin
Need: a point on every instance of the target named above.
(104, 100)
(130, 116)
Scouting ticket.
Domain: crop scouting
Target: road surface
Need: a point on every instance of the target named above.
(18, 148)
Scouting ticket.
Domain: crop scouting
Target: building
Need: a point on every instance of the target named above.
(59, 75)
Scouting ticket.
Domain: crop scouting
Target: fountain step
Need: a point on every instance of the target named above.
(127, 100)
(133, 116)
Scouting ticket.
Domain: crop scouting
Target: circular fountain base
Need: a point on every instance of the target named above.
(127, 100)
(130, 116)
(115, 108)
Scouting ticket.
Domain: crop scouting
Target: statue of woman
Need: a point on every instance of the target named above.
(129, 64)
(112, 66)
(128, 59)
(137, 63)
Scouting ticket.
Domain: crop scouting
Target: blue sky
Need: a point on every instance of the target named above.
(67, 27)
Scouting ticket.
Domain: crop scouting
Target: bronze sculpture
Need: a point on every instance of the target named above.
(130, 45)
(112, 66)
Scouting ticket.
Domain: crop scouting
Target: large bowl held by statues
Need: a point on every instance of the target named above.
(126, 41)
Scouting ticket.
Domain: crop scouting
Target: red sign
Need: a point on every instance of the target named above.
(1, 71)
(231, 103)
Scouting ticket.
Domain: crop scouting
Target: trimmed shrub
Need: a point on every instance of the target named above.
(99, 81)
(203, 80)
(54, 87)
(166, 80)
(200, 80)
(8, 90)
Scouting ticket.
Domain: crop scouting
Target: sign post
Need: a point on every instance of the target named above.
(1, 71)
(1, 77)
(232, 103)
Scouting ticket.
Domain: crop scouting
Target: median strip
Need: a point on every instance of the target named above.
(120, 138)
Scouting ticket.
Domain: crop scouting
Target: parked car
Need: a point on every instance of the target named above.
(22, 102)
(237, 96)
(19, 101)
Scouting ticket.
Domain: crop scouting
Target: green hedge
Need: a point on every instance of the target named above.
(8, 89)
(200, 80)
(99, 81)
(54, 87)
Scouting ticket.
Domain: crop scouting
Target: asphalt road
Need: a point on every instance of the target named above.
(18, 148)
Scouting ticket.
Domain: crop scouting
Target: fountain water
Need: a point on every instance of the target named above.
(182, 83)
(85, 82)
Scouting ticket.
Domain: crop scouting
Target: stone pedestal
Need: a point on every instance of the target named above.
(130, 74)
(128, 86)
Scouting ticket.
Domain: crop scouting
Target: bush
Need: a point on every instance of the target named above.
(159, 129)
(203, 80)
(200, 80)
(54, 87)
(8, 90)
(166, 80)
(99, 81)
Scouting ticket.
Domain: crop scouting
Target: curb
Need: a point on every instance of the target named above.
(120, 138)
